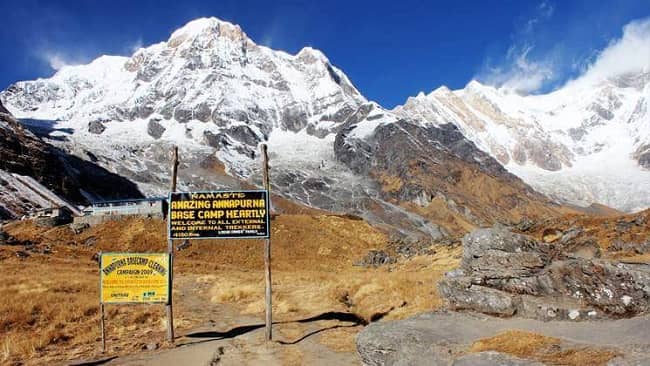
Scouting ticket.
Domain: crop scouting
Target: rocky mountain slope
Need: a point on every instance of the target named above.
(583, 143)
(36, 175)
(217, 94)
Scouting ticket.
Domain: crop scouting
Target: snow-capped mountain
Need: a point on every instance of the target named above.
(209, 84)
(217, 94)
(586, 142)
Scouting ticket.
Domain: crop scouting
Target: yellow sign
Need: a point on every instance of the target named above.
(134, 278)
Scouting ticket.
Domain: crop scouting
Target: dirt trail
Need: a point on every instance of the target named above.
(230, 338)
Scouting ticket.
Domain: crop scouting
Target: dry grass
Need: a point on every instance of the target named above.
(50, 309)
(54, 316)
(548, 350)
(397, 292)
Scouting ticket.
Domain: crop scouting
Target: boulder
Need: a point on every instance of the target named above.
(155, 129)
(183, 114)
(376, 258)
(504, 273)
(243, 134)
(96, 127)
(203, 112)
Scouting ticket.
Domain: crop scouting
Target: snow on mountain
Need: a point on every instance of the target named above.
(586, 142)
(217, 94)
(208, 84)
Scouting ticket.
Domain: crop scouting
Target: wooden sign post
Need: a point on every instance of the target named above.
(132, 278)
(101, 309)
(267, 252)
(243, 214)
(170, 250)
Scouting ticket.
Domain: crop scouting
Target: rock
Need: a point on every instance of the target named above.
(443, 338)
(588, 249)
(570, 235)
(505, 274)
(22, 254)
(499, 253)
(294, 118)
(492, 358)
(150, 346)
(218, 141)
(525, 224)
(462, 294)
(4, 238)
(183, 114)
(78, 228)
(203, 112)
(155, 129)
(630, 248)
(3, 109)
(90, 241)
(376, 258)
(383, 344)
(243, 134)
(409, 247)
(96, 127)
(623, 226)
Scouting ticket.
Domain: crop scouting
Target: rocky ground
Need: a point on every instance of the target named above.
(575, 291)
(450, 338)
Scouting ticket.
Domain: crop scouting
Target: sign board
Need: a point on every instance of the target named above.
(134, 278)
(219, 215)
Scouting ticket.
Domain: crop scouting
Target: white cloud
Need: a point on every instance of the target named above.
(133, 47)
(518, 71)
(521, 74)
(526, 69)
(58, 60)
(545, 11)
(630, 53)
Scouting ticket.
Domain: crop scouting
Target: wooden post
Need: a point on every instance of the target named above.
(101, 305)
(170, 251)
(267, 250)
(101, 312)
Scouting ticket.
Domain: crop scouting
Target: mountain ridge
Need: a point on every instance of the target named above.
(218, 95)
(580, 144)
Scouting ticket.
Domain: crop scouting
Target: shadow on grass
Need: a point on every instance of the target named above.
(93, 362)
(354, 319)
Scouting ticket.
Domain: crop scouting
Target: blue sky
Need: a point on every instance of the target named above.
(390, 49)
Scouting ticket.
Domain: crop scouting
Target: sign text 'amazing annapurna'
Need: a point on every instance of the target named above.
(219, 214)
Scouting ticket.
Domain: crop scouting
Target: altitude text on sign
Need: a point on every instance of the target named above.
(220, 214)
(134, 278)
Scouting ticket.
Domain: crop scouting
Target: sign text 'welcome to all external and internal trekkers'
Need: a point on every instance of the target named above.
(219, 214)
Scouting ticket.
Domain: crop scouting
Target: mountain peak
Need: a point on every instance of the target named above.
(441, 90)
(206, 26)
(475, 85)
(311, 54)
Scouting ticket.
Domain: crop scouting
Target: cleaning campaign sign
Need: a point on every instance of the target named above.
(134, 278)
(219, 214)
